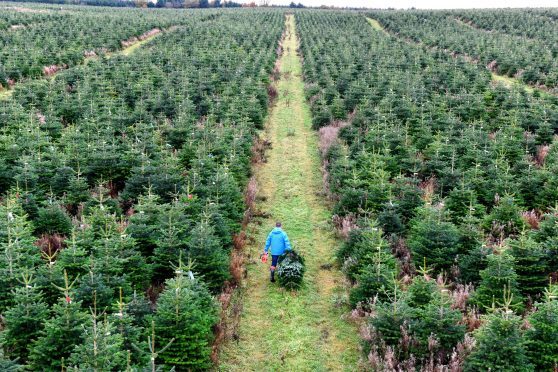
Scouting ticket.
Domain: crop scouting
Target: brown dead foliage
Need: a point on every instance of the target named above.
(542, 153)
(153, 292)
(344, 224)
(532, 218)
(53, 69)
(259, 149)
(50, 244)
(492, 66)
(271, 93)
(134, 39)
(329, 134)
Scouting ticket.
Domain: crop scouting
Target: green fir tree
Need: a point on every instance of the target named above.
(102, 345)
(61, 333)
(24, 321)
(542, 336)
(497, 279)
(500, 345)
(186, 312)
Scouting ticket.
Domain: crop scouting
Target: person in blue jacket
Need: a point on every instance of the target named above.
(279, 242)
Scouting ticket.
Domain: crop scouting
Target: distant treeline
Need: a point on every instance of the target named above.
(144, 3)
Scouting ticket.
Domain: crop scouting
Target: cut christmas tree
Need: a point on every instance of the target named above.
(290, 270)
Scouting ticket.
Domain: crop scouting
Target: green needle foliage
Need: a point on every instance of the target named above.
(374, 264)
(53, 220)
(24, 320)
(212, 260)
(102, 346)
(61, 334)
(435, 239)
(542, 335)
(501, 345)
(497, 280)
(530, 265)
(290, 270)
(9, 365)
(19, 254)
(186, 312)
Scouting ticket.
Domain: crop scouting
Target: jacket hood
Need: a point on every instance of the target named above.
(277, 230)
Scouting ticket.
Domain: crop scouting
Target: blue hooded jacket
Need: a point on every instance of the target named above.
(278, 241)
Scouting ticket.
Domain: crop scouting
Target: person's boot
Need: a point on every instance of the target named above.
(272, 276)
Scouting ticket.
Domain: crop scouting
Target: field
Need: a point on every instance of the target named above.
(146, 153)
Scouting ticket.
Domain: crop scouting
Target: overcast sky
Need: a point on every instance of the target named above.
(425, 4)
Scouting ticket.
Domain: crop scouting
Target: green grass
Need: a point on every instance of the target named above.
(376, 25)
(6, 94)
(132, 48)
(509, 82)
(282, 330)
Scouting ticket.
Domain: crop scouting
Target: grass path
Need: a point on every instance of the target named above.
(138, 44)
(281, 330)
(508, 82)
(376, 25)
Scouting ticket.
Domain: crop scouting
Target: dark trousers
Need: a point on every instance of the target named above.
(274, 259)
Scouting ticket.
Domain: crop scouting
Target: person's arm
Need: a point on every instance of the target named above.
(287, 242)
(267, 243)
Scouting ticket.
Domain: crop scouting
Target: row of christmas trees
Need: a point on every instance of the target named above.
(433, 170)
(111, 172)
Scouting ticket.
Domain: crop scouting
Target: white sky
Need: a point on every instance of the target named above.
(430, 4)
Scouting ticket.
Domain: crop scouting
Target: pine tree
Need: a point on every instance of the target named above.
(290, 270)
(19, 253)
(422, 291)
(366, 247)
(144, 223)
(377, 268)
(390, 220)
(462, 202)
(391, 319)
(93, 285)
(433, 238)
(102, 346)
(547, 235)
(74, 258)
(505, 218)
(472, 264)
(125, 324)
(211, 260)
(53, 220)
(78, 193)
(542, 336)
(61, 333)
(139, 309)
(153, 353)
(436, 327)
(186, 312)
(500, 345)
(171, 241)
(24, 320)
(471, 233)
(498, 279)
(530, 265)
(49, 273)
(116, 257)
(9, 365)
